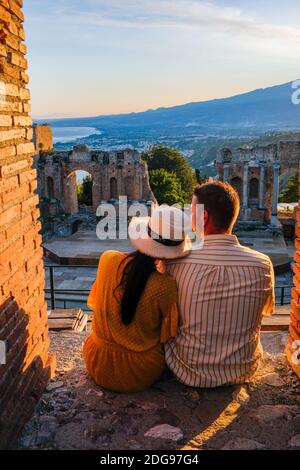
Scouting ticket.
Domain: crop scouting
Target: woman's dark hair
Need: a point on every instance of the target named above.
(137, 271)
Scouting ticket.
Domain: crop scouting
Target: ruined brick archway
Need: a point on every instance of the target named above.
(114, 174)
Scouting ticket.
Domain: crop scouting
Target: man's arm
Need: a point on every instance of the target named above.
(269, 307)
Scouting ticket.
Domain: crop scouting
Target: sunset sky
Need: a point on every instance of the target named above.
(92, 57)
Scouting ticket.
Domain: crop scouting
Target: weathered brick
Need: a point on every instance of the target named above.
(5, 121)
(27, 176)
(8, 184)
(21, 33)
(24, 94)
(10, 214)
(8, 170)
(13, 27)
(23, 48)
(8, 69)
(29, 203)
(3, 51)
(25, 148)
(4, 15)
(11, 90)
(29, 133)
(12, 42)
(12, 134)
(18, 60)
(26, 107)
(7, 152)
(11, 106)
(20, 192)
(24, 77)
(22, 121)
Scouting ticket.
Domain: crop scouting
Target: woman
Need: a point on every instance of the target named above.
(135, 306)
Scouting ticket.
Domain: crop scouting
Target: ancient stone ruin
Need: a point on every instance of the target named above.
(255, 173)
(114, 174)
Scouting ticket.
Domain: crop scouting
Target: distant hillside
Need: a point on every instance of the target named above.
(260, 110)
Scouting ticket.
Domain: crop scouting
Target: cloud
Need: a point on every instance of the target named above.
(196, 14)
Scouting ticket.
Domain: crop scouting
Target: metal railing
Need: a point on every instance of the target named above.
(61, 298)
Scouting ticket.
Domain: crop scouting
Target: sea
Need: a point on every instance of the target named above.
(65, 135)
(68, 134)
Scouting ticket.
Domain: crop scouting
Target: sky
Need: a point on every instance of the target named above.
(94, 57)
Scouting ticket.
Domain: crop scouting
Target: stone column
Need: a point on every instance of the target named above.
(246, 185)
(262, 166)
(276, 169)
(226, 172)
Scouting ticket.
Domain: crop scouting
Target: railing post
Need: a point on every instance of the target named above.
(52, 287)
(282, 295)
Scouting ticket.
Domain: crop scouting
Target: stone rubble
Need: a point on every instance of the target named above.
(77, 414)
(243, 444)
(165, 431)
(294, 442)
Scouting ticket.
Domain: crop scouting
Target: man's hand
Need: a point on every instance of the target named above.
(160, 266)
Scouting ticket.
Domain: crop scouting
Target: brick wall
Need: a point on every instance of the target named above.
(293, 348)
(23, 318)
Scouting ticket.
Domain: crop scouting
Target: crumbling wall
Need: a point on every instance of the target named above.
(114, 174)
(23, 316)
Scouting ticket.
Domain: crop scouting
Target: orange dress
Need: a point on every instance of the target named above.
(129, 358)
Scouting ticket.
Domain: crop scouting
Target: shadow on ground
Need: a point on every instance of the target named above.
(76, 414)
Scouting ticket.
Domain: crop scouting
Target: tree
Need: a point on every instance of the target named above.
(199, 177)
(84, 191)
(171, 160)
(166, 187)
(290, 192)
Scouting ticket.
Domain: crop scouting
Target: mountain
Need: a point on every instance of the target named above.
(262, 110)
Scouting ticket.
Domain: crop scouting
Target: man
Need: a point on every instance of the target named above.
(224, 291)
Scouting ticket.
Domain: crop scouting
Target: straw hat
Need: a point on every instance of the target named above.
(163, 235)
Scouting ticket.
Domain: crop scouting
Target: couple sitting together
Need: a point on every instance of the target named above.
(200, 316)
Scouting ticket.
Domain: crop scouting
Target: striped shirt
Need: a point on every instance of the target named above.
(224, 291)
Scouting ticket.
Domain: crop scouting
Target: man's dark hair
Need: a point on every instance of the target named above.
(221, 201)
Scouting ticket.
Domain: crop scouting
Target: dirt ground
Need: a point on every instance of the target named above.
(74, 413)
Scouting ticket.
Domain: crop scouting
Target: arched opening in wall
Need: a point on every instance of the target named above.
(79, 192)
(129, 187)
(84, 187)
(253, 191)
(113, 188)
(237, 183)
(50, 187)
